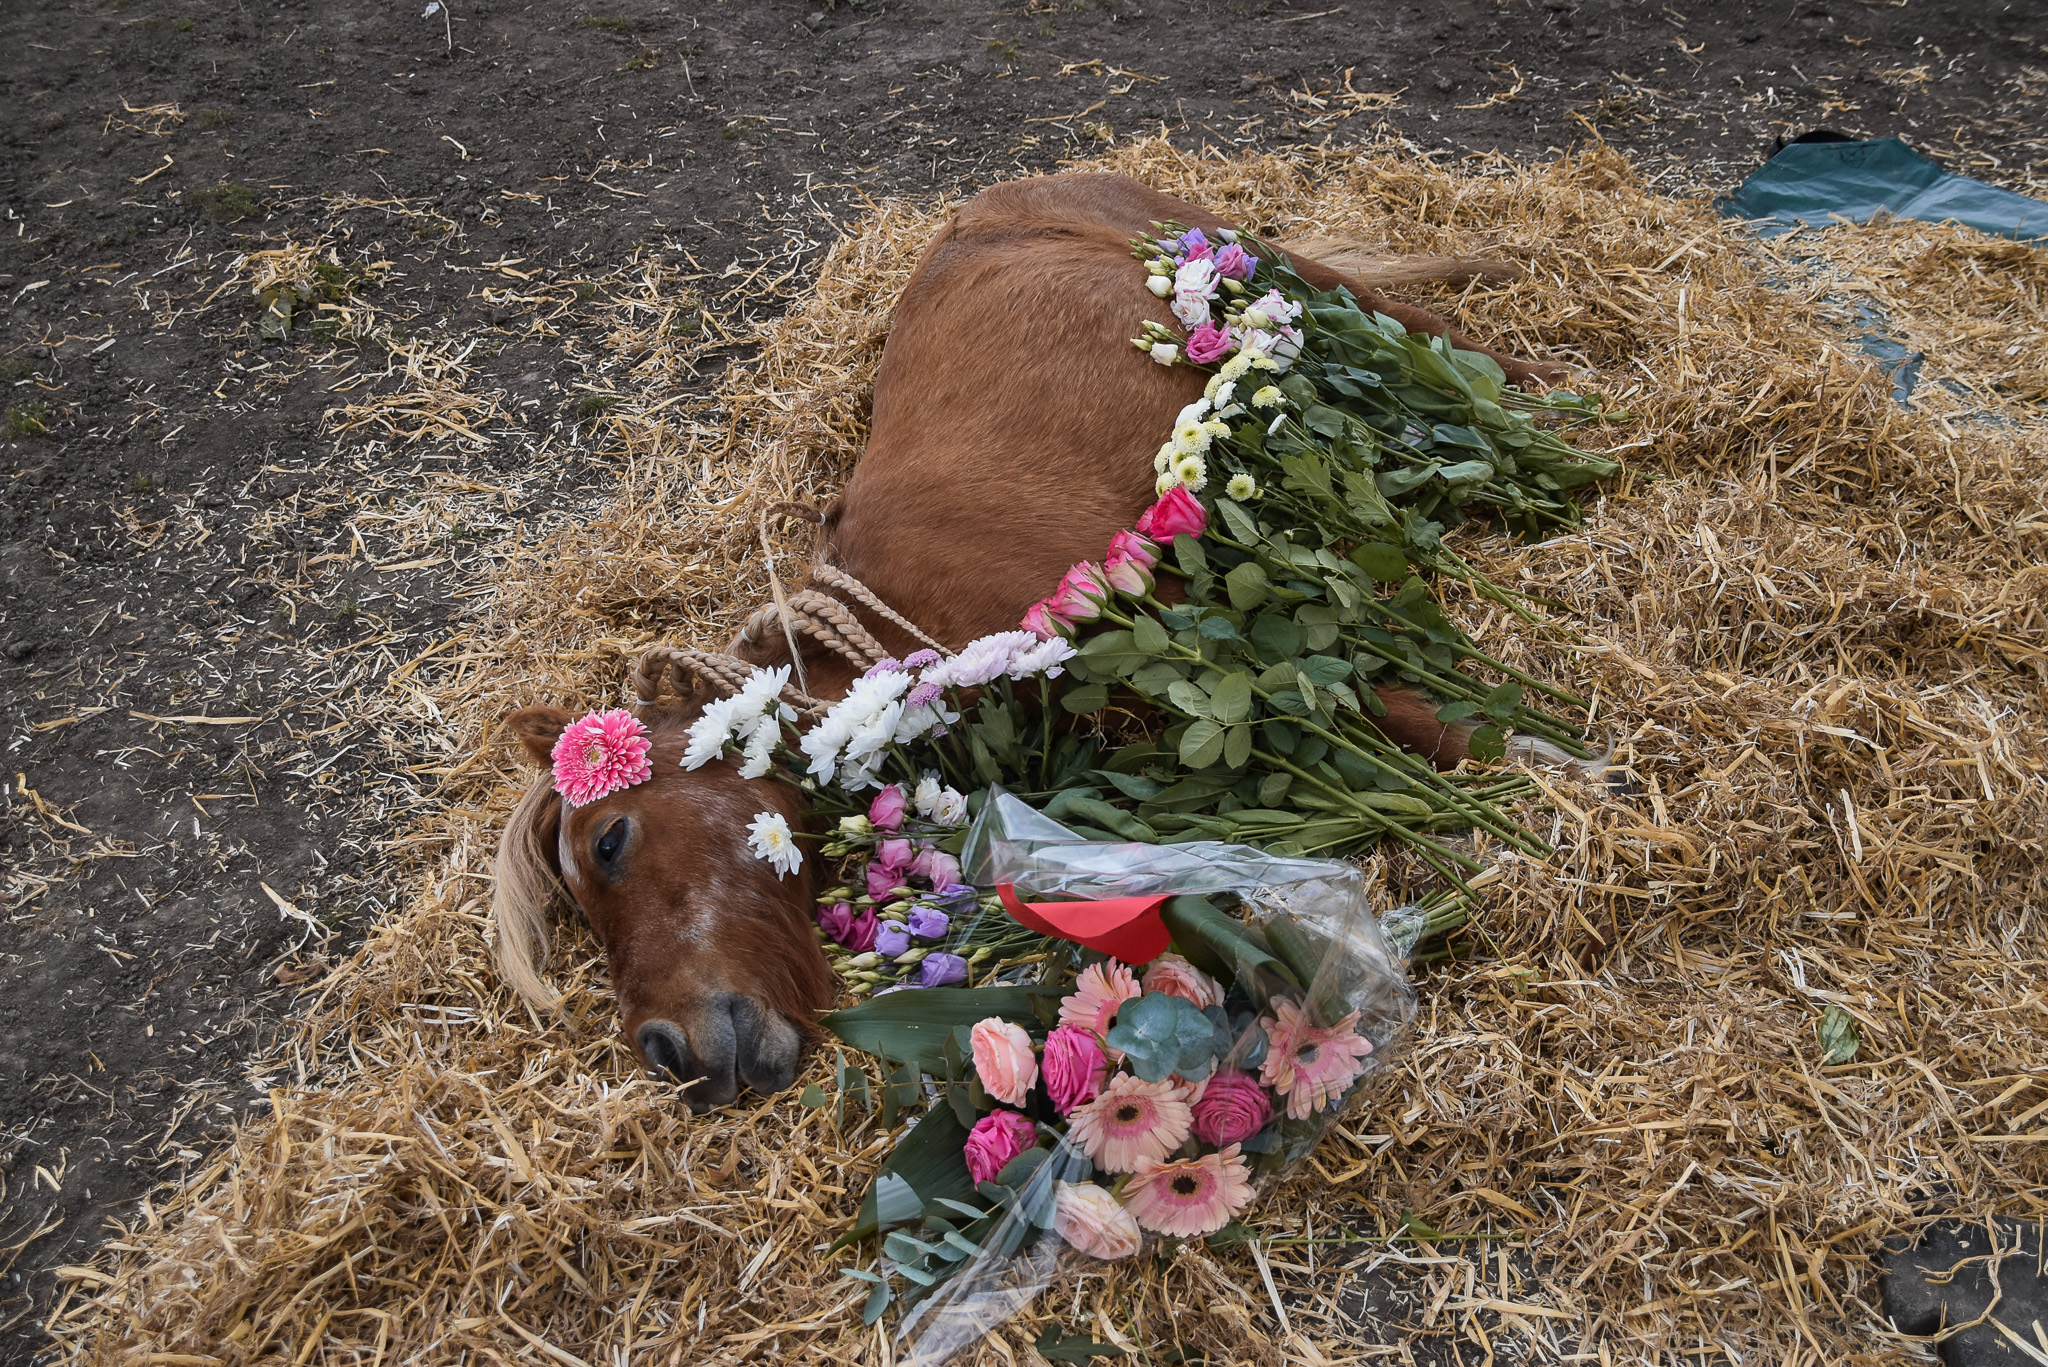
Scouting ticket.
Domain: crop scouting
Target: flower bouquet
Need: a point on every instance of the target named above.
(1201, 1014)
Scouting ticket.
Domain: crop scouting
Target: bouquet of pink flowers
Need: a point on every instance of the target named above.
(1112, 1097)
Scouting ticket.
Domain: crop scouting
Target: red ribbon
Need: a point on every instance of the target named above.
(1126, 928)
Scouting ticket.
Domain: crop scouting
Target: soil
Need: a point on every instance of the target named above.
(213, 580)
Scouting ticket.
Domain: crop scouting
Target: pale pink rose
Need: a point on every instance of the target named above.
(1179, 513)
(1128, 576)
(936, 867)
(1232, 1109)
(1003, 1059)
(886, 811)
(1092, 1220)
(1128, 545)
(1208, 343)
(995, 1139)
(1074, 1068)
(1176, 977)
(1081, 593)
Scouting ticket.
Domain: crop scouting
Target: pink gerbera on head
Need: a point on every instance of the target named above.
(1093, 1003)
(601, 754)
(1309, 1065)
(1192, 1197)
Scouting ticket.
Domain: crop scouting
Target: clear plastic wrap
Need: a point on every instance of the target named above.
(1217, 1066)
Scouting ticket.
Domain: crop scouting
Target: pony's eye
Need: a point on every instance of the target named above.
(610, 841)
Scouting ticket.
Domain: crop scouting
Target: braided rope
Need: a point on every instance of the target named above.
(840, 579)
(723, 673)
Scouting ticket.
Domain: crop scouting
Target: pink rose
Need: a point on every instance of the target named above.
(936, 867)
(1081, 593)
(1128, 545)
(1235, 263)
(1044, 623)
(1128, 576)
(1179, 513)
(1074, 1068)
(1094, 1221)
(1209, 342)
(886, 811)
(1232, 1109)
(995, 1139)
(1003, 1059)
(1176, 977)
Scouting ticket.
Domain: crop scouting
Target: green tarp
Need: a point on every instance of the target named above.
(1817, 183)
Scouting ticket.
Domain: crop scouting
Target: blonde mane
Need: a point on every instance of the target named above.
(527, 888)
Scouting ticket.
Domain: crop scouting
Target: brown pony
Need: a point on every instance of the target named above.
(1013, 433)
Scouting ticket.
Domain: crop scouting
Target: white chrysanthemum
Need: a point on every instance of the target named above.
(1268, 397)
(709, 733)
(1216, 429)
(860, 713)
(1163, 462)
(1166, 483)
(770, 838)
(1215, 386)
(1191, 439)
(1043, 657)
(1193, 472)
(914, 722)
(1234, 368)
(759, 754)
(1242, 487)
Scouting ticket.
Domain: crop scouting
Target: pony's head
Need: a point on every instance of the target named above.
(717, 968)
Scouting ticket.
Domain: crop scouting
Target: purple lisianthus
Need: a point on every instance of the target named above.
(1194, 244)
(955, 898)
(941, 970)
(928, 923)
(836, 920)
(892, 940)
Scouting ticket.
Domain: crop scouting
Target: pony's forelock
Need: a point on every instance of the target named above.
(528, 885)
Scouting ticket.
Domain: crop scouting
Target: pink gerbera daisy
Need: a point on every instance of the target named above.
(1093, 1003)
(1131, 1121)
(1192, 1197)
(1308, 1064)
(601, 754)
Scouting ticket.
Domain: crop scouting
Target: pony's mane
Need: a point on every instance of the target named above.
(528, 885)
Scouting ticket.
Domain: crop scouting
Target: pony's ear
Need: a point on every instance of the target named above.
(538, 728)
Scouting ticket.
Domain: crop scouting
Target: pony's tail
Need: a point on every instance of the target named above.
(1536, 750)
(528, 883)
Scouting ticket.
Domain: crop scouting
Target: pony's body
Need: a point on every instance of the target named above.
(1013, 434)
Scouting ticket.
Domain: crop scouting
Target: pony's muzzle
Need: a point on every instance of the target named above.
(732, 1041)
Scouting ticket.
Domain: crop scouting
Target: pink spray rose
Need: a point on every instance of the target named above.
(1210, 342)
(1003, 1059)
(1128, 576)
(1044, 623)
(1081, 593)
(1232, 1109)
(886, 811)
(1128, 545)
(1179, 513)
(995, 1139)
(1176, 977)
(1235, 263)
(1074, 1068)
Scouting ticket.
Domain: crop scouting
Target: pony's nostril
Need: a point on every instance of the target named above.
(666, 1050)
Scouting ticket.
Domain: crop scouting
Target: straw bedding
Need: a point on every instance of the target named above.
(1812, 622)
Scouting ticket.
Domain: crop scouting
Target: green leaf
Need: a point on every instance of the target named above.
(1054, 1346)
(1188, 697)
(1453, 712)
(1224, 947)
(1276, 636)
(1087, 698)
(1232, 1234)
(1201, 744)
(1149, 636)
(1215, 628)
(1241, 524)
(1325, 670)
(877, 1302)
(1237, 746)
(1501, 704)
(927, 1165)
(1838, 1038)
(1232, 699)
(812, 1097)
(1488, 745)
(913, 1026)
(1248, 585)
(1188, 553)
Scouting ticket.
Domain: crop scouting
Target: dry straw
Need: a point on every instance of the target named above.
(1812, 621)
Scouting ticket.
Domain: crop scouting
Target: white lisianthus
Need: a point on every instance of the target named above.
(1165, 353)
(926, 795)
(1242, 488)
(855, 826)
(1191, 309)
(950, 809)
(1196, 279)
(1269, 397)
(1161, 285)
(1192, 471)
(1160, 265)
(770, 838)
(1256, 317)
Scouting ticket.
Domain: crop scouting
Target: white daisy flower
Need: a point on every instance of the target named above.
(1043, 657)
(709, 733)
(770, 838)
(759, 755)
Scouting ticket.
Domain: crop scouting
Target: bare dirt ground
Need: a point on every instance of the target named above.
(222, 553)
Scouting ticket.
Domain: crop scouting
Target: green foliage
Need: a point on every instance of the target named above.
(1161, 1035)
(1839, 1039)
(28, 420)
(226, 202)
